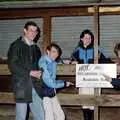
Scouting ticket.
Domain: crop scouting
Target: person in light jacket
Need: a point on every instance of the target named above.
(52, 108)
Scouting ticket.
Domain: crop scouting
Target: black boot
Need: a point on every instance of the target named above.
(88, 114)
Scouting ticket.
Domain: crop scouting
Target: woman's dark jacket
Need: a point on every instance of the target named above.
(86, 55)
(21, 60)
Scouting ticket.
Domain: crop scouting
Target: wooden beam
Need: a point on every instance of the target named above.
(96, 38)
(46, 32)
(40, 12)
(60, 11)
(72, 99)
(96, 33)
(66, 69)
(62, 69)
(4, 69)
(7, 98)
(78, 100)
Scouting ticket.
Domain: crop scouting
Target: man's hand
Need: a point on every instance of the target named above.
(35, 73)
(107, 78)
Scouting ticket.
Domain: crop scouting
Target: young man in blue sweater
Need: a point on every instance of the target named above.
(52, 108)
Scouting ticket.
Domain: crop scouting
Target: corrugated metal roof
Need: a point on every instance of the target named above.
(53, 3)
(44, 3)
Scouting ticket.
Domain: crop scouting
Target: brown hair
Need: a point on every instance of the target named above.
(57, 48)
(117, 47)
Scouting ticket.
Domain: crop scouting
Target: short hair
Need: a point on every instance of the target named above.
(57, 47)
(29, 23)
(117, 48)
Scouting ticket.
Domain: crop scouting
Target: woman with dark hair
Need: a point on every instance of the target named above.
(84, 54)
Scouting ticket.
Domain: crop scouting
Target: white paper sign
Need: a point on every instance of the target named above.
(94, 75)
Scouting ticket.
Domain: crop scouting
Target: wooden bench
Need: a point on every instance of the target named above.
(62, 69)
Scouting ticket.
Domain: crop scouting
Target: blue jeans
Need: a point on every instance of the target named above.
(36, 108)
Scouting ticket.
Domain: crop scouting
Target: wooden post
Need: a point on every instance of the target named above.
(97, 91)
(96, 33)
(46, 31)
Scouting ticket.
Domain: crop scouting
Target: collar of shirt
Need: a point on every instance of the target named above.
(49, 59)
(28, 42)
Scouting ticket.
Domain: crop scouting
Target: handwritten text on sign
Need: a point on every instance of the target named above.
(94, 75)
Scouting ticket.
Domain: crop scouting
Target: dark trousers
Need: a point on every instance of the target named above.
(88, 114)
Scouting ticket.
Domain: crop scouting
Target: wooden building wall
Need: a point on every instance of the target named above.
(61, 25)
(50, 19)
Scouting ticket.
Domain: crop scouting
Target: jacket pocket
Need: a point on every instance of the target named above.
(20, 94)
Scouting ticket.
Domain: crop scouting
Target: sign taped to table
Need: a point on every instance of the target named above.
(95, 75)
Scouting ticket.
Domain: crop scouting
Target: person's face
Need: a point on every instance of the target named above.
(31, 32)
(53, 53)
(119, 54)
(86, 40)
